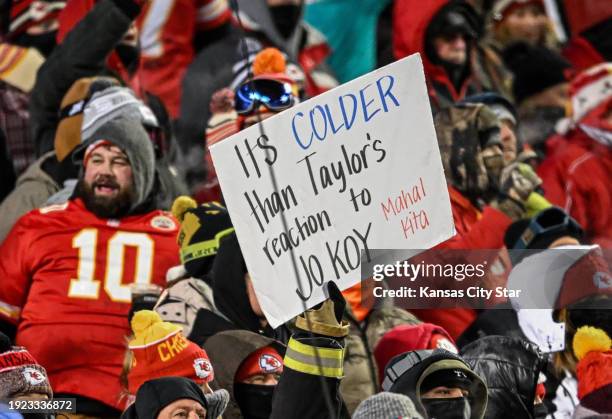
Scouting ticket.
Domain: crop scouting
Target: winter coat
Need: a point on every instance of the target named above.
(81, 54)
(561, 392)
(230, 293)
(490, 70)
(499, 321)
(361, 373)
(189, 302)
(298, 394)
(410, 21)
(576, 176)
(475, 229)
(33, 188)
(582, 412)
(510, 367)
(226, 351)
(422, 364)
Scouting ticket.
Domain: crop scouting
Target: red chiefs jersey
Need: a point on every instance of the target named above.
(167, 29)
(65, 282)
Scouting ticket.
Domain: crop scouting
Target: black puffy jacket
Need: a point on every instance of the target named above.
(510, 367)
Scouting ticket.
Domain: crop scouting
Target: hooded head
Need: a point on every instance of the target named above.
(162, 398)
(413, 337)
(471, 149)
(420, 374)
(443, 20)
(511, 368)
(234, 296)
(238, 354)
(121, 140)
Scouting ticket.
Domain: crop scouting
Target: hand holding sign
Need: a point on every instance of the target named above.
(353, 169)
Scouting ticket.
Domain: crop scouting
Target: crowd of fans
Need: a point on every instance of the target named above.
(122, 282)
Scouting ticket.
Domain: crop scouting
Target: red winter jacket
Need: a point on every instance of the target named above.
(475, 230)
(581, 54)
(410, 21)
(577, 177)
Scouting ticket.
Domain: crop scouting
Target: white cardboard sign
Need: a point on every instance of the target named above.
(355, 168)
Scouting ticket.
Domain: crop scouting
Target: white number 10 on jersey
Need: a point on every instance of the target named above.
(85, 286)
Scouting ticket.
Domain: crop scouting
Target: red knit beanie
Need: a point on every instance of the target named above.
(20, 374)
(160, 350)
(406, 338)
(265, 360)
(593, 348)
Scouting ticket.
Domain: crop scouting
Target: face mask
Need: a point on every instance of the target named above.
(44, 43)
(455, 408)
(540, 411)
(254, 400)
(286, 18)
(129, 56)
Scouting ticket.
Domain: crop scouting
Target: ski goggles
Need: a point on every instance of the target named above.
(550, 221)
(275, 95)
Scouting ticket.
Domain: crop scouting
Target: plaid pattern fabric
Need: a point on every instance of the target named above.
(14, 118)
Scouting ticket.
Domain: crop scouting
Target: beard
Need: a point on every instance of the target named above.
(105, 206)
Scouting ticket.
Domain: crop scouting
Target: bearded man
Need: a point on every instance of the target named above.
(67, 269)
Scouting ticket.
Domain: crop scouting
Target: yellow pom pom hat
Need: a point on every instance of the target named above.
(160, 350)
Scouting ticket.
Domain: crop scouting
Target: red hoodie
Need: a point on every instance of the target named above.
(410, 21)
(576, 176)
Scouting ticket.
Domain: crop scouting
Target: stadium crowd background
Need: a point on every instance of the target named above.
(122, 283)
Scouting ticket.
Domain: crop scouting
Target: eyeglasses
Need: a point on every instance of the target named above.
(273, 94)
(550, 221)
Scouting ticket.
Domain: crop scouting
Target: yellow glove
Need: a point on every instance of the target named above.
(326, 319)
(536, 203)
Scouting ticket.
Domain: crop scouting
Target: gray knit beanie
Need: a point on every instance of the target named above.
(111, 103)
(386, 405)
(129, 135)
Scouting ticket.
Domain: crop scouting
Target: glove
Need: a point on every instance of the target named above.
(535, 204)
(517, 182)
(326, 318)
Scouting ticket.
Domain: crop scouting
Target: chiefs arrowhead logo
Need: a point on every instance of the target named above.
(33, 376)
(202, 368)
(161, 222)
(602, 280)
(270, 364)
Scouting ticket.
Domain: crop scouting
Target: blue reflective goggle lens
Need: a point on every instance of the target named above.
(273, 94)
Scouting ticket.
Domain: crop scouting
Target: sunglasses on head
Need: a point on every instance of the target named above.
(550, 221)
(275, 95)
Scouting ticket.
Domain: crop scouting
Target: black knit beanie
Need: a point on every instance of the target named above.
(535, 69)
